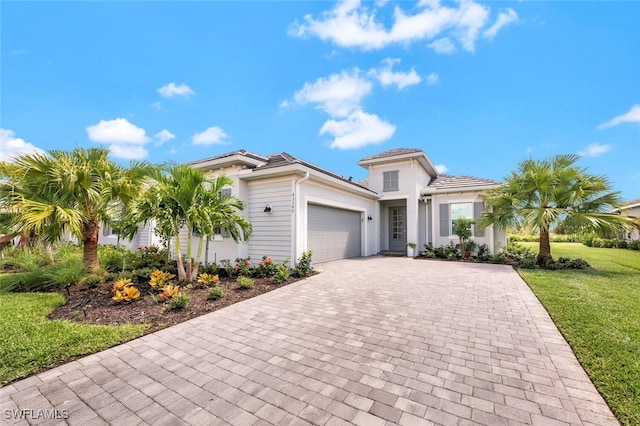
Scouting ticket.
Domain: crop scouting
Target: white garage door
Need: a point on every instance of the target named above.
(332, 233)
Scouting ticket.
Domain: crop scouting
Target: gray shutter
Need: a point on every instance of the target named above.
(478, 208)
(444, 220)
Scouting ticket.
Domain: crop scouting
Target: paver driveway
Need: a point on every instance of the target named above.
(368, 341)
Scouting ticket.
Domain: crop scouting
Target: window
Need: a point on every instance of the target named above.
(226, 191)
(390, 181)
(223, 232)
(460, 211)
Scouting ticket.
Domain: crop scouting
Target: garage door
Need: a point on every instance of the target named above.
(332, 233)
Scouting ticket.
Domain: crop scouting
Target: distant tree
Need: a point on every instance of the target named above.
(51, 194)
(543, 193)
(185, 198)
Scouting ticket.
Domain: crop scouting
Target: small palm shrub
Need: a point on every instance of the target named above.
(112, 258)
(244, 283)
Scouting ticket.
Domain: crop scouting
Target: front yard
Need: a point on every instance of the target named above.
(598, 312)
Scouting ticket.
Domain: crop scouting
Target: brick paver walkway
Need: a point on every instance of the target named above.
(368, 341)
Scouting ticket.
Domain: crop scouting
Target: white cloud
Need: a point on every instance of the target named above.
(117, 131)
(351, 24)
(172, 89)
(402, 79)
(128, 152)
(212, 136)
(125, 140)
(504, 18)
(164, 136)
(338, 95)
(432, 78)
(633, 116)
(12, 147)
(156, 105)
(595, 150)
(357, 130)
(443, 45)
(441, 168)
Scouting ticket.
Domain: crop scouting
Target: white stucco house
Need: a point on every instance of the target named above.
(295, 206)
(630, 208)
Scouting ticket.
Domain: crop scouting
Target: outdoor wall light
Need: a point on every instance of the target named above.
(369, 218)
(267, 209)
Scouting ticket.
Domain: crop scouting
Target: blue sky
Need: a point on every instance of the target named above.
(479, 86)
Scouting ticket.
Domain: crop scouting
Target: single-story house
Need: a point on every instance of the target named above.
(296, 206)
(631, 208)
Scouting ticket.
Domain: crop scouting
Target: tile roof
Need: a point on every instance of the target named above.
(242, 152)
(631, 203)
(283, 159)
(443, 182)
(392, 153)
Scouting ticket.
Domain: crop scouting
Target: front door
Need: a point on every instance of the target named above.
(398, 228)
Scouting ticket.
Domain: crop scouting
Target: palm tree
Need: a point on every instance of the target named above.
(184, 198)
(59, 192)
(543, 193)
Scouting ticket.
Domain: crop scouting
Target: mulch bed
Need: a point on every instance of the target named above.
(102, 309)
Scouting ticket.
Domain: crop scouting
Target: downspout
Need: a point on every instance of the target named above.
(297, 216)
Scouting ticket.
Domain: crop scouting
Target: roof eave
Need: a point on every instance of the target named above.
(430, 191)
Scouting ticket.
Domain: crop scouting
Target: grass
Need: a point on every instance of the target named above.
(31, 343)
(598, 312)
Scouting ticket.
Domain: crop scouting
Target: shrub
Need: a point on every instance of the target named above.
(159, 279)
(27, 281)
(112, 258)
(126, 274)
(215, 293)
(483, 252)
(244, 282)
(120, 284)
(179, 301)
(282, 272)
(225, 269)
(243, 266)
(634, 245)
(517, 251)
(150, 257)
(208, 279)
(528, 263)
(266, 268)
(127, 294)
(123, 291)
(169, 292)
(579, 263)
(209, 268)
(62, 273)
(91, 281)
(303, 265)
(142, 275)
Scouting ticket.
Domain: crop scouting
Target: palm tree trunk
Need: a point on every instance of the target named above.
(181, 272)
(90, 244)
(544, 252)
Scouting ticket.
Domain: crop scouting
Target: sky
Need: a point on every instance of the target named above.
(478, 85)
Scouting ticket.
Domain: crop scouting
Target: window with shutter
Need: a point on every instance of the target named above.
(444, 220)
(390, 181)
(478, 208)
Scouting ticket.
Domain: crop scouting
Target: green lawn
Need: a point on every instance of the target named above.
(30, 343)
(598, 312)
